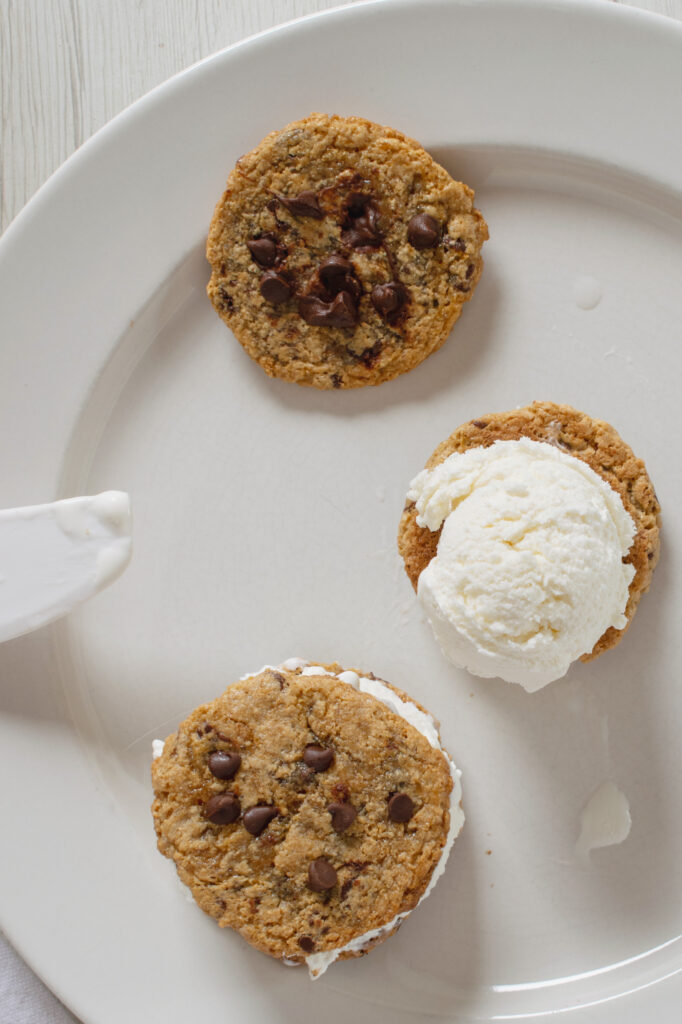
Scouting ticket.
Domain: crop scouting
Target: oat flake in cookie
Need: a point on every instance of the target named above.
(309, 808)
(342, 254)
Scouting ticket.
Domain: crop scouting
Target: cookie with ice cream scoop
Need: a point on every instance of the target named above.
(530, 538)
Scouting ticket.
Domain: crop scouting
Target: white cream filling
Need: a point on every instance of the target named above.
(318, 963)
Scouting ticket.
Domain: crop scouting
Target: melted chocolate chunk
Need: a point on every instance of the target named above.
(337, 274)
(274, 288)
(256, 819)
(321, 875)
(333, 270)
(343, 816)
(400, 807)
(305, 204)
(222, 809)
(341, 312)
(423, 231)
(263, 251)
(361, 223)
(318, 758)
(224, 765)
(388, 299)
(306, 944)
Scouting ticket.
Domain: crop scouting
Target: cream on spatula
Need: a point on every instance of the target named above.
(53, 557)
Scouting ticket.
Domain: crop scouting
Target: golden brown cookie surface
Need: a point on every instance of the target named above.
(576, 433)
(341, 253)
(300, 811)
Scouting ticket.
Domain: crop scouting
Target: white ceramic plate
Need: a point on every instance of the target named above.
(265, 517)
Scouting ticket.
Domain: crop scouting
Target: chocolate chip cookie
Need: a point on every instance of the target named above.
(574, 432)
(342, 254)
(309, 808)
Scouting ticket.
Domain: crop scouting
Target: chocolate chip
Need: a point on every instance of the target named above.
(224, 765)
(423, 231)
(361, 223)
(400, 807)
(258, 818)
(306, 944)
(263, 250)
(459, 245)
(334, 268)
(470, 270)
(274, 288)
(318, 758)
(338, 275)
(360, 238)
(226, 300)
(343, 816)
(305, 204)
(222, 809)
(388, 299)
(480, 423)
(321, 875)
(337, 380)
(341, 312)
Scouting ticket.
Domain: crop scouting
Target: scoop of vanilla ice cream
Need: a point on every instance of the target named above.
(529, 570)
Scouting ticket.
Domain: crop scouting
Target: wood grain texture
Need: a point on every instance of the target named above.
(68, 66)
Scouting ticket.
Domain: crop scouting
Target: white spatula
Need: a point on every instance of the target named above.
(54, 556)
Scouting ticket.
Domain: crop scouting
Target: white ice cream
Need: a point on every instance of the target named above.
(529, 570)
(605, 820)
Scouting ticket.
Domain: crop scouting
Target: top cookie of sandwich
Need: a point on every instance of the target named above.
(303, 811)
(342, 254)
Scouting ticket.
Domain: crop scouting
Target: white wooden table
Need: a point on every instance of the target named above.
(66, 68)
